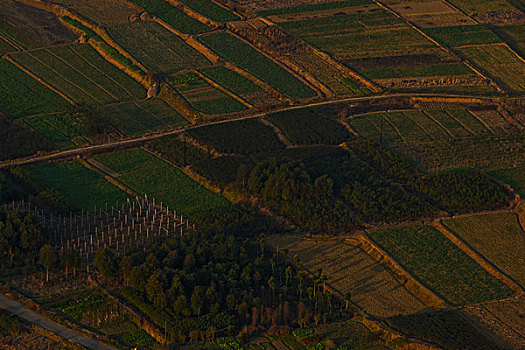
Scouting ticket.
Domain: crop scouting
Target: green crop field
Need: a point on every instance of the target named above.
(438, 263)
(161, 181)
(231, 80)
(445, 69)
(314, 7)
(500, 63)
(21, 95)
(307, 127)
(463, 35)
(171, 15)
(211, 10)
(514, 176)
(202, 96)
(58, 129)
(498, 237)
(81, 73)
(251, 136)
(256, 63)
(157, 48)
(135, 118)
(81, 187)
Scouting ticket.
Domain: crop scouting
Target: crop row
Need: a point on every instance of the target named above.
(256, 63)
(56, 128)
(447, 270)
(211, 10)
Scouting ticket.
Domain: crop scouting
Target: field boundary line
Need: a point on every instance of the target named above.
(40, 80)
(222, 88)
(394, 126)
(486, 125)
(405, 278)
(12, 42)
(478, 257)
(472, 134)
(420, 126)
(113, 181)
(265, 120)
(451, 5)
(483, 75)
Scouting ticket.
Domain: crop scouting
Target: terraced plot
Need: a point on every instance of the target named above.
(102, 12)
(21, 95)
(500, 63)
(256, 63)
(162, 181)
(58, 129)
(156, 47)
(202, 96)
(81, 73)
(438, 263)
(211, 10)
(498, 237)
(171, 15)
(239, 85)
(135, 118)
(350, 269)
(81, 187)
(419, 126)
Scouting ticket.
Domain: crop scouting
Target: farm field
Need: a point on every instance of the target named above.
(425, 14)
(497, 237)
(101, 12)
(81, 73)
(202, 96)
(7, 45)
(420, 126)
(32, 27)
(248, 58)
(350, 269)
(293, 10)
(464, 35)
(450, 329)
(17, 140)
(162, 181)
(514, 36)
(251, 136)
(57, 129)
(439, 264)
(476, 6)
(307, 127)
(135, 118)
(156, 47)
(171, 15)
(239, 85)
(504, 318)
(514, 176)
(81, 187)
(328, 75)
(211, 10)
(500, 63)
(21, 95)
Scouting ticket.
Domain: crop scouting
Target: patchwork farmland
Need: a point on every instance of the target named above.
(350, 172)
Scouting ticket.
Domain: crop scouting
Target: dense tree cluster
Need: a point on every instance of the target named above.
(209, 282)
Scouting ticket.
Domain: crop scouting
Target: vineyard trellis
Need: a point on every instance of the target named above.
(120, 227)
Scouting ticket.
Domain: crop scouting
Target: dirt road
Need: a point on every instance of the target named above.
(30, 316)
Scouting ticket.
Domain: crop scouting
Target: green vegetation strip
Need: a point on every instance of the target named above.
(315, 7)
(442, 266)
(231, 80)
(259, 65)
(81, 187)
(148, 174)
(211, 10)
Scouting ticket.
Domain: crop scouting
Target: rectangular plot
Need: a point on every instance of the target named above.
(231, 80)
(476, 6)
(81, 187)
(500, 63)
(498, 237)
(21, 95)
(470, 122)
(162, 181)
(408, 129)
(211, 10)
(464, 35)
(442, 266)
(256, 63)
(364, 127)
(431, 128)
(102, 12)
(448, 123)
(122, 122)
(157, 48)
(173, 16)
(56, 128)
